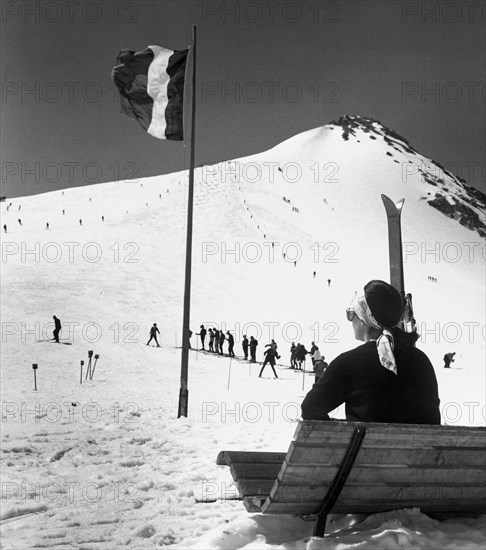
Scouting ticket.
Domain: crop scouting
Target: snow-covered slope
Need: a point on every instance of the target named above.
(106, 464)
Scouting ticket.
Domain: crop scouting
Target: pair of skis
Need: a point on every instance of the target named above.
(393, 215)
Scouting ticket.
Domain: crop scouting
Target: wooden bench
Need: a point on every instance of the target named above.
(354, 467)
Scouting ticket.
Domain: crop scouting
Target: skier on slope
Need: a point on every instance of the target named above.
(448, 359)
(231, 343)
(253, 347)
(245, 344)
(300, 353)
(153, 334)
(313, 350)
(293, 363)
(211, 339)
(222, 338)
(319, 367)
(216, 340)
(57, 328)
(270, 357)
(202, 334)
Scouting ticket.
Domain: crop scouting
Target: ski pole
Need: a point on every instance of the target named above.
(303, 375)
(229, 373)
(34, 367)
(96, 357)
(88, 369)
(81, 375)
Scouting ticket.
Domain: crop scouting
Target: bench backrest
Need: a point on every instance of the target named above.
(437, 468)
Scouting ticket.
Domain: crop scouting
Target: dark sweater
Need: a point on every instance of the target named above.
(374, 394)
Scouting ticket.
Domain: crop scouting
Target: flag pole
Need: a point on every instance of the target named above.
(184, 391)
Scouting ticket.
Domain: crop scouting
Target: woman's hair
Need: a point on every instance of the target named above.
(386, 305)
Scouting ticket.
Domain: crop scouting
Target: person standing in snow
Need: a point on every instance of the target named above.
(57, 328)
(231, 343)
(293, 363)
(319, 367)
(270, 357)
(153, 334)
(222, 338)
(202, 334)
(300, 353)
(244, 344)
(211, 339)
(313, 350)
(253, 347)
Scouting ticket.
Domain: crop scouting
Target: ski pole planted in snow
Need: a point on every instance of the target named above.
(81, 375)
(34, 367)
(303, 374)
(96, 357)
(229, 373)
(88, 368)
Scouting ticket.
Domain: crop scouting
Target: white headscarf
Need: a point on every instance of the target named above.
(385, 343)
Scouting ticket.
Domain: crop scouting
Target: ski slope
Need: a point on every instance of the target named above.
(105, 463)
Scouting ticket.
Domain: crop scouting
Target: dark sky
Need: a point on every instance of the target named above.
(416, 66)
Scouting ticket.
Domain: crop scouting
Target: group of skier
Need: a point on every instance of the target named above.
(216, 339)
(298, 354)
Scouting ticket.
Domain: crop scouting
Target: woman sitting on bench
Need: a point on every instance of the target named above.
(386, 379)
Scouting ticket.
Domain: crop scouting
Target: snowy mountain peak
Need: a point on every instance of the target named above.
(444, 191)
(351, 123)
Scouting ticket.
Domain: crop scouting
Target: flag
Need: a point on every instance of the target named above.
(151, 86)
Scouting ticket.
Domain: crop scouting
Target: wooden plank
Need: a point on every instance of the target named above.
(422, 493)
(254, 487)
(254, 470)
(421, 429)
(391, 435)
(370, 507)
(377, 474)
(225, 458)
(448, 457)
(398, 440)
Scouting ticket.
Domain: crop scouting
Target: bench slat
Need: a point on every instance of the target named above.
(255, 487)
(225, 458)
(372, 507)
(254, 470)
(379, 474)
(448, 456)
(312, 432)
(432, 497)
(356, 492)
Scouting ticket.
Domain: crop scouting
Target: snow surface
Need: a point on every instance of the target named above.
(106, 463)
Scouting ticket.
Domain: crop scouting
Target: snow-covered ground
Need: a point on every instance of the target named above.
(105, 463)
